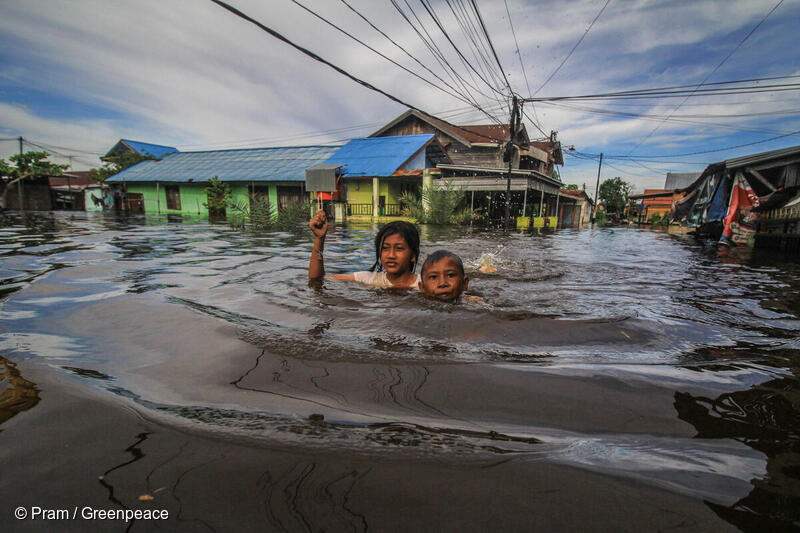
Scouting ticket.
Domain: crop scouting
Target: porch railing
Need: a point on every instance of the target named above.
(388, 210)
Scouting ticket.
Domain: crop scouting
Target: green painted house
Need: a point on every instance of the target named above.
(176, 183)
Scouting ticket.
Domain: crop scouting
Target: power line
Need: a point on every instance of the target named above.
(677, 120)
(711, 73)
(585, 33)
(478, 48)
(362, 43)
(644, 157)
(471, 102)
(320, 59)
(436, 52)
(667, 92)
(535, 119)
(491, 46)
(464, 60)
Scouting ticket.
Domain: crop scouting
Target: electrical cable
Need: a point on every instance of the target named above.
(362, 43)
(478, 49)
(640, 116)
(464, 60)
(491, 46)
(402, 48)
(573, 49)
(316, 57)
(436, 52)
(711, 73)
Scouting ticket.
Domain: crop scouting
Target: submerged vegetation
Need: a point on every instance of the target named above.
(438, 205)
(218, 196)
(259, 213)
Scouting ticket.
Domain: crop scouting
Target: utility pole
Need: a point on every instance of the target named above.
(19, 183)
(597, 188)
(513, 126)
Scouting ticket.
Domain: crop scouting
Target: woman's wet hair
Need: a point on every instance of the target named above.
(438, 255)
(408, 231)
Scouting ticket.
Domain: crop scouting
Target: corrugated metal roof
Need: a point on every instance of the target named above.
(254, 164)
(378, 156)
(761, 157)
(147, 149)
(679, 180)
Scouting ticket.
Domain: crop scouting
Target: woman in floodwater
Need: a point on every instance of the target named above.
(396, 255)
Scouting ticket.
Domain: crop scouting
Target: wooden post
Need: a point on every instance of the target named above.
(557, 195)
(375, 185)
(525, 201)
(541, 202)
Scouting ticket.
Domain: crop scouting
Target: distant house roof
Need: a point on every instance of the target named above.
(253, 164)
(466, 135)
(383, 156)
(679, 180)
(146, 149)
(657, 197)
(577, 194)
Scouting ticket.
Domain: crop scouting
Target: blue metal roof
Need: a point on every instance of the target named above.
(379, 156)
(156, 150)
(254, 164)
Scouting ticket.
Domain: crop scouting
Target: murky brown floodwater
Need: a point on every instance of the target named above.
(613, 378)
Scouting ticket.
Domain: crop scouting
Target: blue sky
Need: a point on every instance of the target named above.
(79, 75)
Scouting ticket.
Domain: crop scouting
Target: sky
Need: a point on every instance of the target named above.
(78, 75)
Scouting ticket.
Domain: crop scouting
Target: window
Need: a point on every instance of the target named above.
(287, 195)
(173, 197)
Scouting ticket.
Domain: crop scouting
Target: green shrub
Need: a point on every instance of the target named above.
(257, 211)
(294, 214)
(218, 196)
(442, 203)
(600, 217)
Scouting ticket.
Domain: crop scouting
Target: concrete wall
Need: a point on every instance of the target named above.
(193, 195)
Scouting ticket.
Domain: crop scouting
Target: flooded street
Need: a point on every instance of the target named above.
(613, 379)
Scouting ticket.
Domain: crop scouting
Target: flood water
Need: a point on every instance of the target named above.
(611, 378)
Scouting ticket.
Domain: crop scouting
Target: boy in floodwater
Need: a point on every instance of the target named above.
(443, 276)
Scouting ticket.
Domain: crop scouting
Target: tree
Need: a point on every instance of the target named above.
(218, 194)
(27, 166)
(571, 187)
(614, 194)
(115, 164)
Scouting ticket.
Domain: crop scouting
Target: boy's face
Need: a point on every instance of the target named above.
(443, 280)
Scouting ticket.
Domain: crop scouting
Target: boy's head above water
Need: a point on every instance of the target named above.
(443, 276)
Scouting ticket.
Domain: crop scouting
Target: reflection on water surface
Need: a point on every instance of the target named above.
(631, 352)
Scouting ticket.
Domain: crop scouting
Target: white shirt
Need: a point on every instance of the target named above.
(379, 279)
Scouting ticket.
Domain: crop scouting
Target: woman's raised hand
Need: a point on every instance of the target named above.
(319, 224)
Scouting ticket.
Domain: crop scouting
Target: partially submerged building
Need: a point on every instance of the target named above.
(176, 184)
(376, 171)
(752, 200)
(575, 208)
(479, 164)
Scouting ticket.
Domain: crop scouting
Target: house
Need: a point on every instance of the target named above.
(655, 202)
(479, 163)
(153, 151)
(479, 145)
(177, 183)
(69, 191)
(376, 171)
(752, 200)
(576, 208)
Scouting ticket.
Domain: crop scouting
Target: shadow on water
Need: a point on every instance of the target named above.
(17, 394)
(765, 417)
